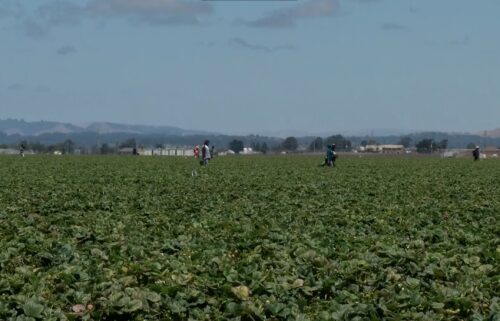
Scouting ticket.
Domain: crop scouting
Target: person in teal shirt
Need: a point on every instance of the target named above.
(330, 156)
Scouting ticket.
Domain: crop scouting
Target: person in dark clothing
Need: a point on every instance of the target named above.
(476, 154)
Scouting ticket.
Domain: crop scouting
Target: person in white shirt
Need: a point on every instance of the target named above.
(205, 153)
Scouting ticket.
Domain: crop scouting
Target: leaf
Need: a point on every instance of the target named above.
(99, 254)
(412, 282)
(298, 283)
(152, 296)
(133, 305)
(33, 309)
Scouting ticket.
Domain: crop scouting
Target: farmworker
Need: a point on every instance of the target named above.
(330, 156)
(196, 151)
(205, 153)
(334, 158)
(476, 153)
(212, 151)
(21, 150)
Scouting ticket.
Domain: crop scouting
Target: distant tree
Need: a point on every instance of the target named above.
(405, 141)
(426, 145)
(471, 146)
(160, 146)
(443, 144)
(68, 146)
(316, 145)
(290, 144)
(105, 149)
(58, 147)
(340, 142)
(236, 146)
(38, 147)
(129, 143)
(264, 148)
(364, 143)
(255, 146)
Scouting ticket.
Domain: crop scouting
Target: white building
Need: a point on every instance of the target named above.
(9, 151)
(248, 151)
(385, 149)
(169, 151)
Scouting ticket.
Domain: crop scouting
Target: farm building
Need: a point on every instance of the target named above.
(181, 151)
(9, 151)
(449, 154)
(126, 151)
(490, 152)
(385, 149)
(249, 151)
(13, 151)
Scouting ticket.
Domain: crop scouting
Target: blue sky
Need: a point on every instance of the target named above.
(312, 66)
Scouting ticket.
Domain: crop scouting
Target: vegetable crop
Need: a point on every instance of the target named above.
(249, 238)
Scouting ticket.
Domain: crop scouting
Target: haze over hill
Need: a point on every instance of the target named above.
(26, 128)
(36, 128)
(13, 131)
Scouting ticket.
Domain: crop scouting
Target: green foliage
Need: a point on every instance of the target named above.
(129, 143)
(290, 144)
(248, 238)
(106, 149)
(264, 148)
(316, 145)
(428, 145)
(236, 145)
(471, 146)
(405, 141)
(340, 142)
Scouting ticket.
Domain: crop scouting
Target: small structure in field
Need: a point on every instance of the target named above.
(449, 154)
(384, 149)
(167, 151)
(249, 151)
(9, 151)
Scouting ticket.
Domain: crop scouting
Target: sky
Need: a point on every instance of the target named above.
(304, 66)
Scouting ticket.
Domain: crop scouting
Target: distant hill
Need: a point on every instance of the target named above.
(23, 128)
(13, 131)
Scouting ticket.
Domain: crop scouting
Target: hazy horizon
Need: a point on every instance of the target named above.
(278, 133)
(311, 66)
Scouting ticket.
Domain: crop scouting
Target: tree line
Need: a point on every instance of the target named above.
(237, 144)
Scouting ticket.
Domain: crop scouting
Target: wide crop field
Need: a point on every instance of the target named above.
(263, 238)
